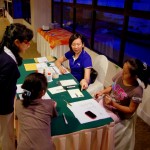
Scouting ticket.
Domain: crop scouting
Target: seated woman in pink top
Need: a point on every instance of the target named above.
(34, 115)
(123, 97)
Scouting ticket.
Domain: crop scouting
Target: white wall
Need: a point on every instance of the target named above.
(40, 14)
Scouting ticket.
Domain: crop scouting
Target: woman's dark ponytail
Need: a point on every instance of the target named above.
(26, 98)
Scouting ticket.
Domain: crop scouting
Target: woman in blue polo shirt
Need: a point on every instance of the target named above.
(79, 60)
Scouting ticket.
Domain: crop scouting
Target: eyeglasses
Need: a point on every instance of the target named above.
(78, 45)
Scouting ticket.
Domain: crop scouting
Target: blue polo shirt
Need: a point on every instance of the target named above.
(77, 66)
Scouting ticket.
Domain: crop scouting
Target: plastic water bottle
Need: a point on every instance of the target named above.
(49, 76)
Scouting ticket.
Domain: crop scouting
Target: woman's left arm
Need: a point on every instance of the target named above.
(126, 109)
(84, 82)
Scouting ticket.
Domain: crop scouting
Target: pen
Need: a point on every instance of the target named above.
(67, 102)
(71, 86)
(54, 70)
(76, 95)
(66, 122)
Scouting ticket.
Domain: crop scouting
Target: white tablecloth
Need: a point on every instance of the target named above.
(101, 138)
(43, 47)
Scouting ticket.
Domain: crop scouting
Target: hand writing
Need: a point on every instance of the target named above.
(98, 94)
(107, 100)
(62, 70)
(84, 84)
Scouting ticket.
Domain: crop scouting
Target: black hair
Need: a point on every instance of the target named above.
(33, 85)
(74, 37)
(139, 69)
(15, 31)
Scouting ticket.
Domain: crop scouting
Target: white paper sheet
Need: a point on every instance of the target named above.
(51, 64)
(45, 97)
(41, 65)
(55, 70)
(79, 109)
(56, 89)
(42, 59)
(68, 82)
(74, 93)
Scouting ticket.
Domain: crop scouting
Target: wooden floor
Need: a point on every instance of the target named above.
(142, 130)
(31, 52)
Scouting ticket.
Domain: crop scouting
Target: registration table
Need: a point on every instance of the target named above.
(96, 135)
(53, 42)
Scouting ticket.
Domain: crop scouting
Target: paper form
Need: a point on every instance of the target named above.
(56, 89)
(44, 97)
(30, 66)
(74, 93)
(79, 109)
(41, 65)
(41, 59)
(68, 82)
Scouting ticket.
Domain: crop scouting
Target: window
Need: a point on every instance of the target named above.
(143, 5)
(138, 39)
(57, 14)
(67, 18)
(107, 36)
(117, 29)
(83, 24)
(111, 3)
(84, 2)
(68, 1)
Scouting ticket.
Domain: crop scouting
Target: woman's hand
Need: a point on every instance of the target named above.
(84, 84)
(62, 70)
(107, 100)
(59, 62)
(98, 94)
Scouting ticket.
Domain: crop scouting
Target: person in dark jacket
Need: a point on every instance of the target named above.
(16, 40)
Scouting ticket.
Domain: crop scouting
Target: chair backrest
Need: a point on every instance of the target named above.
(100, 64)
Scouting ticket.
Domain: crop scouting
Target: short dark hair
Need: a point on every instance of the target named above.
(34, 83)
(74, 37)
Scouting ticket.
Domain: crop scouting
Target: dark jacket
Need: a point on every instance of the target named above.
(9, 74)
